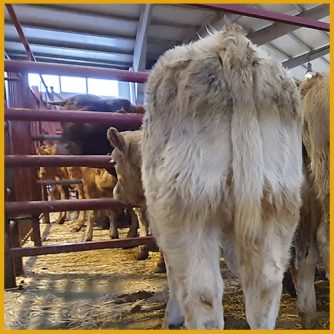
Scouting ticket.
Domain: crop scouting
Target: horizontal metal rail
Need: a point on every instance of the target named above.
(81, 246)
(46, 137)
(86, 71)
(36, 207)
(58, 182)
(116, 119)
(12, 79)
(269, 15)
(98, 161)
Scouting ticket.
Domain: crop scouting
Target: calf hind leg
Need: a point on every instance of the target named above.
(80, 222)
(323, 243)
(173, 315)
(113, 229)
(194, 274)
(88, 236)
(133, 230)
(261, 269)
(306, 262)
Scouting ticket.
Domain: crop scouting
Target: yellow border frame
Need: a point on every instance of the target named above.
(2, 155)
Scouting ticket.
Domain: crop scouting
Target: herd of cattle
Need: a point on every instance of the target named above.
(233, 157)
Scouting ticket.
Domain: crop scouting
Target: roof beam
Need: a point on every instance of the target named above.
(76, 10)
(61, 34)
(72, 61)
(81, 30)
(140, 51)
(50, 57)
(303, 44)
(317, 12)
(70, 45)
(20, 32)
(306, 57)
(277, 30)
(270, 15)
(24, 41)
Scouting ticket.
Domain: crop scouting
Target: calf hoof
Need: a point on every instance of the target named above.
(132, 234)
(87, 238)
(115, 236)
(159, 268)
(311, 321)
(154, 247)
(60, 221)
(173, 326)
(142, 253)
(176, 323)
(76, 229)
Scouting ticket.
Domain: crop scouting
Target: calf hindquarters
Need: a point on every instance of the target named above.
(212, 118)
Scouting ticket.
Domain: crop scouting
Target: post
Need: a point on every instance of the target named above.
(36, 231)
(22, 144)
(10, 281)
(46, 215)
(25, 187)
(15, 241)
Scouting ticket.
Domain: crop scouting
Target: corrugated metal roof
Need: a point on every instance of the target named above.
(105, 35)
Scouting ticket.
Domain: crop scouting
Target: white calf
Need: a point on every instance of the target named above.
(222, 167)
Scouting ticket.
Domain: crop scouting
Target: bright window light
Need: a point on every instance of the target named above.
(34, 79)
(51, 81)
(103, 87)
(73, 85)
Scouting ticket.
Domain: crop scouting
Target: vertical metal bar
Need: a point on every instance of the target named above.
(60, 89)
(86, 85)
(15, 238)
(25, 188)
(10, 280)
(36, 231)
(46, 215)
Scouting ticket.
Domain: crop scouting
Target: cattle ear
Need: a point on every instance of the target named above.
(116, 139)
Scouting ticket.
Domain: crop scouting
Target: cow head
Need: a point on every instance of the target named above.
(127, 158)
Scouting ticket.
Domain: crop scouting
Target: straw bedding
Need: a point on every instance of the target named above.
(109, 289)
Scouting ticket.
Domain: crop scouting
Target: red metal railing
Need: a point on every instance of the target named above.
(81, 246)
(93, 72)
(35, 207)
(98, 161)
(16, 114)
(15, 208)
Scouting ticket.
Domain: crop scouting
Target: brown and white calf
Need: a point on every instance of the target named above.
(127, 158)
(129, 187)
(312, 236)
(56, 192)
(222, 167)
(98, 183)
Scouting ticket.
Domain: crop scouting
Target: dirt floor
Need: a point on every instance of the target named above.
(109, 289)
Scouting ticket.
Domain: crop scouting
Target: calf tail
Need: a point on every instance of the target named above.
(247, 153)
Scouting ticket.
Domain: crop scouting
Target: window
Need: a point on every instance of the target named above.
(103, 87)
(73, 85)
(34, 79)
